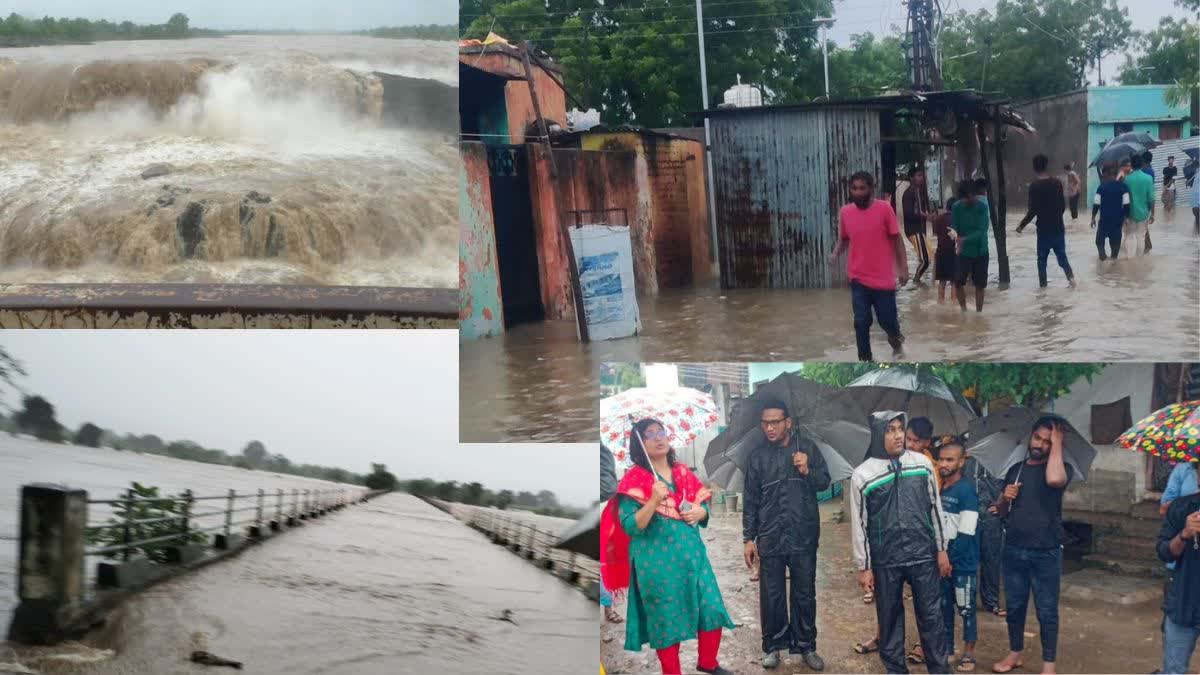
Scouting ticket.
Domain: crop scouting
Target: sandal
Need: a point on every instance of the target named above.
(868, 647)
(966, 664)
(916, 655)
(611, 616)
(868, 598)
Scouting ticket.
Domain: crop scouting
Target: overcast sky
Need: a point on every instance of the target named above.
(256, 14)
(879, 16)
(331, 397)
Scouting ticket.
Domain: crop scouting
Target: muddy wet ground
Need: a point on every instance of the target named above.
(1093, 637)
(538, 383)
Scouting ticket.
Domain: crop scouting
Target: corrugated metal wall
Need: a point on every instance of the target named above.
(780, 178)
(1183, 193)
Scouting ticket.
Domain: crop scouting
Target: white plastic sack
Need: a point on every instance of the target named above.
(604, 255)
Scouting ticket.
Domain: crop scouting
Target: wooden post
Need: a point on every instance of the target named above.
(997, 225)
(1001, 199)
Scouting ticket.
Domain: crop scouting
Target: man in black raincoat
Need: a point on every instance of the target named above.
(781, 526)
(896, 529)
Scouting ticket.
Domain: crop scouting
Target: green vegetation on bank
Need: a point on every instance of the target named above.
(422, 32)
(544, 502)
(21, 31)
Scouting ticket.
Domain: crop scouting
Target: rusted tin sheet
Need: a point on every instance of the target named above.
(781, 176)
(480, 311)
(224, 306)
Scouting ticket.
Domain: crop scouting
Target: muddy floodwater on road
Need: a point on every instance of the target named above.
(538, 383)
(248, 159)
(391, 586)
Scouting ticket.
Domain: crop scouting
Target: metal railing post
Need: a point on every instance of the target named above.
(126, 534)
(279, 507)
(258, 521)
(229, 514)
(295, 502)
(188, 498)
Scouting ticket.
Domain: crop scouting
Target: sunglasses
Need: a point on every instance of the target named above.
(655, 436)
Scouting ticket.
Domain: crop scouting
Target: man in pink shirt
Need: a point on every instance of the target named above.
(867, 227)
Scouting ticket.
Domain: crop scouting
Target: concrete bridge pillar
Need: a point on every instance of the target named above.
(50, 575)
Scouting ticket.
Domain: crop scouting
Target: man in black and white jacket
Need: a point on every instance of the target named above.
(898, 536)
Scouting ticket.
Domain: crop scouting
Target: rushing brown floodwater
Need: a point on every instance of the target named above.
(537, 382)
(386, 587)
(286, 165)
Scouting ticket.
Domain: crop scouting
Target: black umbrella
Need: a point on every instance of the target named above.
(835, 425)
(1117, 152)
(1000, 441)
(917, 392)
(583, 536)
(1139, 137)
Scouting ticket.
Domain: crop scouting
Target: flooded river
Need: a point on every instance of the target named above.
(247, 159)
(390, 586)
(537, 382)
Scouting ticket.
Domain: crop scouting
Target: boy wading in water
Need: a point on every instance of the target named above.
(970, 219)
(868, 229)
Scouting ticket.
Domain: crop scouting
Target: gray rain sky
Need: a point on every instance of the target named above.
(257, 14)
(336, 398)
(880, 16)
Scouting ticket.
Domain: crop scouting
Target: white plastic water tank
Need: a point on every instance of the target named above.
(578, 120)
(743, 95)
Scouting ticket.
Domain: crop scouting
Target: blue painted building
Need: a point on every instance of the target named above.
(1112, 111)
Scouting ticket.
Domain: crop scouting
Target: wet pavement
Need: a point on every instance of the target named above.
(391, 586)
(538, 383)
(1093, 637)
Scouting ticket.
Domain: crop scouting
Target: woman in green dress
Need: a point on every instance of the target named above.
(651, 546)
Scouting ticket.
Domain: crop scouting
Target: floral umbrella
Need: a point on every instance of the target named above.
(684, 412)
(1171, 433)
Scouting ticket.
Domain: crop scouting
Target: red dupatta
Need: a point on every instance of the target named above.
(638, 484)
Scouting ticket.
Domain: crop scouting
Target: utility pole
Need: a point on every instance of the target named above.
(712, 199)
(922, 60)
(825, 22)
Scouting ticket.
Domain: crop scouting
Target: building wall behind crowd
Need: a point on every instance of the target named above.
(1061, 135)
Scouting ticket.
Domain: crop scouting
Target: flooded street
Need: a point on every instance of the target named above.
(247, 159)
(1093, 637)
(394, 581)
(538, 383)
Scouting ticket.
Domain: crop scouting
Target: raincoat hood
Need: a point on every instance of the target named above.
(878, 422)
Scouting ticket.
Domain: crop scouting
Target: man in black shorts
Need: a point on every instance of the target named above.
(915, 203)
(970, 217)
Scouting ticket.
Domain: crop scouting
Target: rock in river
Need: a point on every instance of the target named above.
(155, 170)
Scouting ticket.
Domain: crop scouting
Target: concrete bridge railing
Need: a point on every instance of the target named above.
(55, 600)
(526, 538)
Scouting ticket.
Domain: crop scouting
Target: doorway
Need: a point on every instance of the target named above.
(516, 245)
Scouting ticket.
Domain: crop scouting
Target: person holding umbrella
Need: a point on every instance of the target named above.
(651, 546)
(781, 528)
(1032, 505)
(896, 526)
(1179, 543)
(1141, 205)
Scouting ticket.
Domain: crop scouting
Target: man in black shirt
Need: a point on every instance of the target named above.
(1032, 505)
(781, 526)
(1179, 542)
(1168, 193)
(915, 203)
(1046, 203)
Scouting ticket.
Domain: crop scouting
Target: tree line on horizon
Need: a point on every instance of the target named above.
(17, 30)
(37, 418)
(544, 502)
